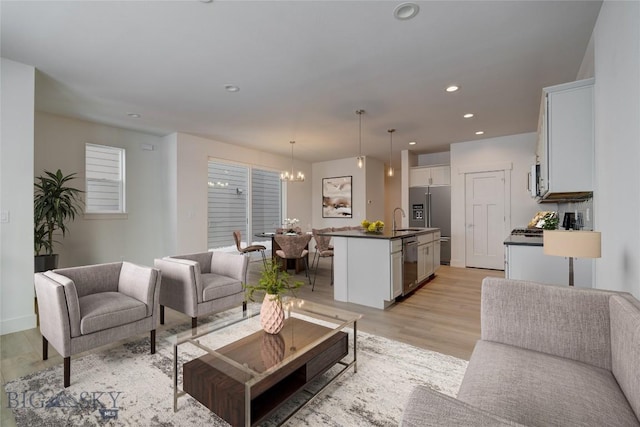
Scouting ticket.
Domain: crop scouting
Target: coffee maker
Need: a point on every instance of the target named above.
(569, 221)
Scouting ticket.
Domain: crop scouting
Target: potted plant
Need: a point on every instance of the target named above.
(54, 204)
(274, 283)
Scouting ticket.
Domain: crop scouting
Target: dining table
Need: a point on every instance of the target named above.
(296, 264)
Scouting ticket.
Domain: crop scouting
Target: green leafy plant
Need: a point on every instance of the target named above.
(273, 281)
(550, 221)
(54, 204)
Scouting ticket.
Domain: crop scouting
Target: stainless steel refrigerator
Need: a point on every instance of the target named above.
(431, 207)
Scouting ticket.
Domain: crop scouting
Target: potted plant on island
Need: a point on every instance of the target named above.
(54, 204)
(274, 283)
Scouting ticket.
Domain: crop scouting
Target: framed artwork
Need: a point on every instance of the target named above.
(336, 197)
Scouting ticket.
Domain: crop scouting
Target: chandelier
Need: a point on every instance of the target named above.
(290, 176)
(360, 158)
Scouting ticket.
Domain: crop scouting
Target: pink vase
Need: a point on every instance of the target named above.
(272, 314)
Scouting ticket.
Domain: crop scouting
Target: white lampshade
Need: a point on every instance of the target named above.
(571, 243)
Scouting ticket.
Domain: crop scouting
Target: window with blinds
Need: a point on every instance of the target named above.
(104, 171)
(241, 198)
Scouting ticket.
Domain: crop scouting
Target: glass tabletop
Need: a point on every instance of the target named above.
(237, 345)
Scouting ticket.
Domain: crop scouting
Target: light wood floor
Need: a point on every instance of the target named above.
(443, 316)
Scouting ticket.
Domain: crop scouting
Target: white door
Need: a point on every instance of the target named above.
(485, 219)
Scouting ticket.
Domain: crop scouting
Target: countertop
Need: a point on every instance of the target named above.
(523, 241)
(387, 234)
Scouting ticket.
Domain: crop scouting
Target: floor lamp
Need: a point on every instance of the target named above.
(572, 244)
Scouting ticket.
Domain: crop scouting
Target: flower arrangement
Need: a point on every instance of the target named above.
(290, 223)
(373, 227)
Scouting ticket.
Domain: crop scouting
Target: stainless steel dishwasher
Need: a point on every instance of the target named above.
(409, 264)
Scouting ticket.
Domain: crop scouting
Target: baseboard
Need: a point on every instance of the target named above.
(17, 324)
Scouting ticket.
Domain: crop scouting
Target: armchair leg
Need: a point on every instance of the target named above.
(67, 371)
(153, 341)
(244, 306)
(306, 266)
(45, 348)
(162, 314)
(194, 322)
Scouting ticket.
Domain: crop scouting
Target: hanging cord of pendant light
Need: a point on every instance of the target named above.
(390, 170)
(360, 158)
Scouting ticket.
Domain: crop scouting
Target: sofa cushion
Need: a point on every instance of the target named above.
(427, 407)
(203, 258)
(229, 264)
(218, 286)
(537, 389)
(625, 347)
(93, 279)
(107, 310)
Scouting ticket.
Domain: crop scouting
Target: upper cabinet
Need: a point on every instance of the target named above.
(422, 176)
(565, 149)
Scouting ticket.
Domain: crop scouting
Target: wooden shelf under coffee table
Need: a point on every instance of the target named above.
(245, 380)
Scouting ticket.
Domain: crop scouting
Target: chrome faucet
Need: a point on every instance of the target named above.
(394, 217)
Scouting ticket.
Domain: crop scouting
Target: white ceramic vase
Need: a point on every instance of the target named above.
(272, 314)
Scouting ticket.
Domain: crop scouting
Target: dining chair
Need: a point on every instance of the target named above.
(323, 250)
(237, 236)
(294, 247)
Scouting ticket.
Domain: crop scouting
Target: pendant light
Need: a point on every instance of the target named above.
(390, 170)
(360, 158)
(290, 176)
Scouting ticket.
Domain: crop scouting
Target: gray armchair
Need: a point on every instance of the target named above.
(202, 283)
(85, 307)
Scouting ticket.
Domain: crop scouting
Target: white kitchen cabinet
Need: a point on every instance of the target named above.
(426, 255)
(524, 262)
(422, 176)
(396, 269)
(565, 150)
(436, 251)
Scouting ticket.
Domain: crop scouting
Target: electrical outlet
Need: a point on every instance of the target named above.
(4, 217)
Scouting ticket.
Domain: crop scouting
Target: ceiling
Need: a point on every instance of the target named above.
(303, 68)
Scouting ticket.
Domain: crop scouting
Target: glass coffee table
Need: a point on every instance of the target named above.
(244, 375)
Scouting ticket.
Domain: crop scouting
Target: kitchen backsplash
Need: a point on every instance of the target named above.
(583, 211)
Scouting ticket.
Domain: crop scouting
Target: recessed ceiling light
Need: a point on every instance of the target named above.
(134, 115)
(480, 132)
(412, 143)
(406, 11)
(231, 88)
(452, 88)
(468, 115)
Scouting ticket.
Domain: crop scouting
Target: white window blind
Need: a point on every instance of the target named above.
(241, 198)
(104, 170)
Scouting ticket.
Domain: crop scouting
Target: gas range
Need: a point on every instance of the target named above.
(527, 232)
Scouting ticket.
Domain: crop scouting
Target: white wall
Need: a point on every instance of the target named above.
(368, 190)
(143, 233)
(617, 124)
(16, 197)
(393, 199)
(192, 155)
(515, 150)
(377, 198)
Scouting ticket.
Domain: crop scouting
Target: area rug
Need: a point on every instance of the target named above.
(127, 386)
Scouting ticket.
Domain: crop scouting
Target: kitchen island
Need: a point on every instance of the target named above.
(369, 268)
